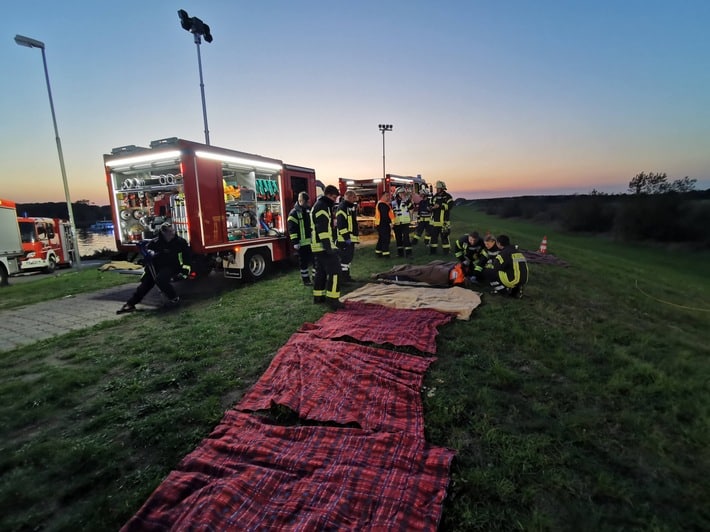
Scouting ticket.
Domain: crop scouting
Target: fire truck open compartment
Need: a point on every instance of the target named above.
(230, 206)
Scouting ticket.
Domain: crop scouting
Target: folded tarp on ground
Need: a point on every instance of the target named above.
(381, 325)
(252, 476)
(345, 383)
(119, 265)
(454, 300)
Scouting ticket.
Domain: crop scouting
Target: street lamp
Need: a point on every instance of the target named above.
(33, 43)
(199, 29)
(383, 128)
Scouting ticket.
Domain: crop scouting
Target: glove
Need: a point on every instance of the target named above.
(297, 246)
(348, 242)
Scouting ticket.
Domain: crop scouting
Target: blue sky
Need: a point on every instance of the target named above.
(496, 98)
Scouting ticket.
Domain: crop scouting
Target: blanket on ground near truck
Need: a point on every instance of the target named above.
(343, 382)
(454, 300)
(249, 475)
(365, 322)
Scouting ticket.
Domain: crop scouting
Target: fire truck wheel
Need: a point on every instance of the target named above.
(3, 276)
(257, 263)
(51, 265)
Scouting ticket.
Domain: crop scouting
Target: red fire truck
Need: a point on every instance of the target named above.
(46, 242)
(230, 206)
(369, 192)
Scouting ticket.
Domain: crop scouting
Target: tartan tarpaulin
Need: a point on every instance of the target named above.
(252, 476)
(381, 325)
(344, 382)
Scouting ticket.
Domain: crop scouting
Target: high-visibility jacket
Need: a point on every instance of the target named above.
(383, 214)
(441, 206)
(323, 234)
(299, 225)
(402, 211)
(511, 267)
(346, 222)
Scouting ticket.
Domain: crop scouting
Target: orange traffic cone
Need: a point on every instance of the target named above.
(543, 245)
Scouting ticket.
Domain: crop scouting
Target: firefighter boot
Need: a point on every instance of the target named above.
(318, 299)
(432, 250)
(334, 303)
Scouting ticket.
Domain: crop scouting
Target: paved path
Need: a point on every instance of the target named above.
(26, 325)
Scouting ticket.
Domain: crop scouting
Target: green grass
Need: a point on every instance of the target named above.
(582, 406)
(62, 283)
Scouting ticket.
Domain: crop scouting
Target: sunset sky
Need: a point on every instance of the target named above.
(497, 98)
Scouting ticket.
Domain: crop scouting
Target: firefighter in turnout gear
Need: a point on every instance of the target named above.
(326, 288)
(299, 231)
(383, 222)
(423, 218)
(166, 256)
(485, 258)
(402, 207)
(348, 233)
(510, 269)
(467, 248)
(440, 225)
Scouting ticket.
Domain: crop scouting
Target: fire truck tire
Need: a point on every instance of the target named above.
(3, 276)
(256, 264)
(51, 264)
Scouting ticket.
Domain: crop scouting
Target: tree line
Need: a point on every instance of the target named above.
(655, 209)
(85, 213)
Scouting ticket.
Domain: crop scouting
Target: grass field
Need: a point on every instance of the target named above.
(583, 406)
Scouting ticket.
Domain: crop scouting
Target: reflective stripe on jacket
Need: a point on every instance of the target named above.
(299, 226)
(346, 221)
(511, 266)
(441, 206)
(401, 209)
(323, 232)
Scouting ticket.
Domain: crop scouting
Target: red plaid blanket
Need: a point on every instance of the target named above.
(343, 382)
(251, 476)
(382, 325)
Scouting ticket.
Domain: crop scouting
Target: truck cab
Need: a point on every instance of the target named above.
(46, 242)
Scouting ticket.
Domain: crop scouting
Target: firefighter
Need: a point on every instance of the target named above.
(468, 247)
(299, 231)
(423, 218)
(485, 257)
(326, 281)
(383, 222)
(440, 225)
(165, 256)
(402, 207)
(348, 233)
(510, 269)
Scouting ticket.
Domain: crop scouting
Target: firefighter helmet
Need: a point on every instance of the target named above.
(400, 190)
(441, 185)
(424, 191)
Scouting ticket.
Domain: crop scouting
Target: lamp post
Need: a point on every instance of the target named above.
(199, 29)
(383, 128)
(33, 43)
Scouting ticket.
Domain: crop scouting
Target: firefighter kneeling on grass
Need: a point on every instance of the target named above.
(509, 272)
(326, 287)
(165, 257)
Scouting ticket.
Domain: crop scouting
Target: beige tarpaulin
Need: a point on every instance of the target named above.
(454, 300)
(120, 265)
